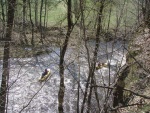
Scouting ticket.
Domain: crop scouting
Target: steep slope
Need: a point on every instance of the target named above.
(138, 75)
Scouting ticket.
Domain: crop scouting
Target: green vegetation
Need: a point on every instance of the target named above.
(145, 108)
(132, 77)
(57, 11)
(57, 15)
(117, 15)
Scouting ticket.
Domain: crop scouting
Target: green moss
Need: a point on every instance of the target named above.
(135, 53)
(132, 78)
(145, 108)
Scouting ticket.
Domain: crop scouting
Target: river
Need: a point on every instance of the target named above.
(25, 72)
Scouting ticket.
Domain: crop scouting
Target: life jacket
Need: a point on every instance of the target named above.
(47, 72)
(45, 75)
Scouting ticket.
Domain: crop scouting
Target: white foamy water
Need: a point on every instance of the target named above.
(26, 91)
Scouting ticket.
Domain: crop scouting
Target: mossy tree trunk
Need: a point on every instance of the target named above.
(119, 86)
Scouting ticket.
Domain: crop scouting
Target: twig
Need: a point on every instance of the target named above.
(123, 106)
(135, 93)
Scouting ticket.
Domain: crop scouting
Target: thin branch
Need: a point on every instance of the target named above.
(135, 93)
(135, 104)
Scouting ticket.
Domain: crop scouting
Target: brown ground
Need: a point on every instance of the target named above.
(138, 79)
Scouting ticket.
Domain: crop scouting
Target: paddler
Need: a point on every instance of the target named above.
(101, 65)
(47, 72)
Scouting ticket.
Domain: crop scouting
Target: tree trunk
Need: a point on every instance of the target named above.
(41, 28)
(76, 9)
(118, 92)
(3, 16)
(99, 28)
(92, 67)
(147, 13)
(82, 25)
(36, 13)
(32, 39)
(24, 24)
(5, 73)
(119, 86)
(61, 64)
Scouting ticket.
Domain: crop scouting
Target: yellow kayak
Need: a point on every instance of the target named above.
(45, 77)
(101, 65)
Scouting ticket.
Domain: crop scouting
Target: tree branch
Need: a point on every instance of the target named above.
(135, 93)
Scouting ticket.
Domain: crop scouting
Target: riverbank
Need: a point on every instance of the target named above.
(138, 74)
(52, 36)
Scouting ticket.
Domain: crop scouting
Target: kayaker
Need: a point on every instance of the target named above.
(47, 71)
(101, 65)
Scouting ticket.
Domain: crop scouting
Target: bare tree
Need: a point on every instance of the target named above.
(5, 74)
(32, 24)
(91, 76)
(62, 55)
(24, 24)
(146, 12)
(41, 28)
(93, 81)
(3, 16)
(36, 13)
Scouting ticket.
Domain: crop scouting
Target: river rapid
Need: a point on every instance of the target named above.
(28, 95)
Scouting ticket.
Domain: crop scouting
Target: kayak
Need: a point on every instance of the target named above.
(100, 66)
(41, 79)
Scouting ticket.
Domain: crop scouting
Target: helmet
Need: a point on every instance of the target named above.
(48, 69)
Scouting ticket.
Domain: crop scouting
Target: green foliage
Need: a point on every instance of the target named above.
(144, 109)
(56, 14)
(135, 53)
(132, 77)
(57, 11)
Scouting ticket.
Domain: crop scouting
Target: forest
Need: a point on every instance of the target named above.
(94, 55)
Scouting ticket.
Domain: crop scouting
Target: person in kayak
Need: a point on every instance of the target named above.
(45, 74)
(101, 65)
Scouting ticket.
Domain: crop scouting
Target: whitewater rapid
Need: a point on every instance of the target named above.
(25, 72)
